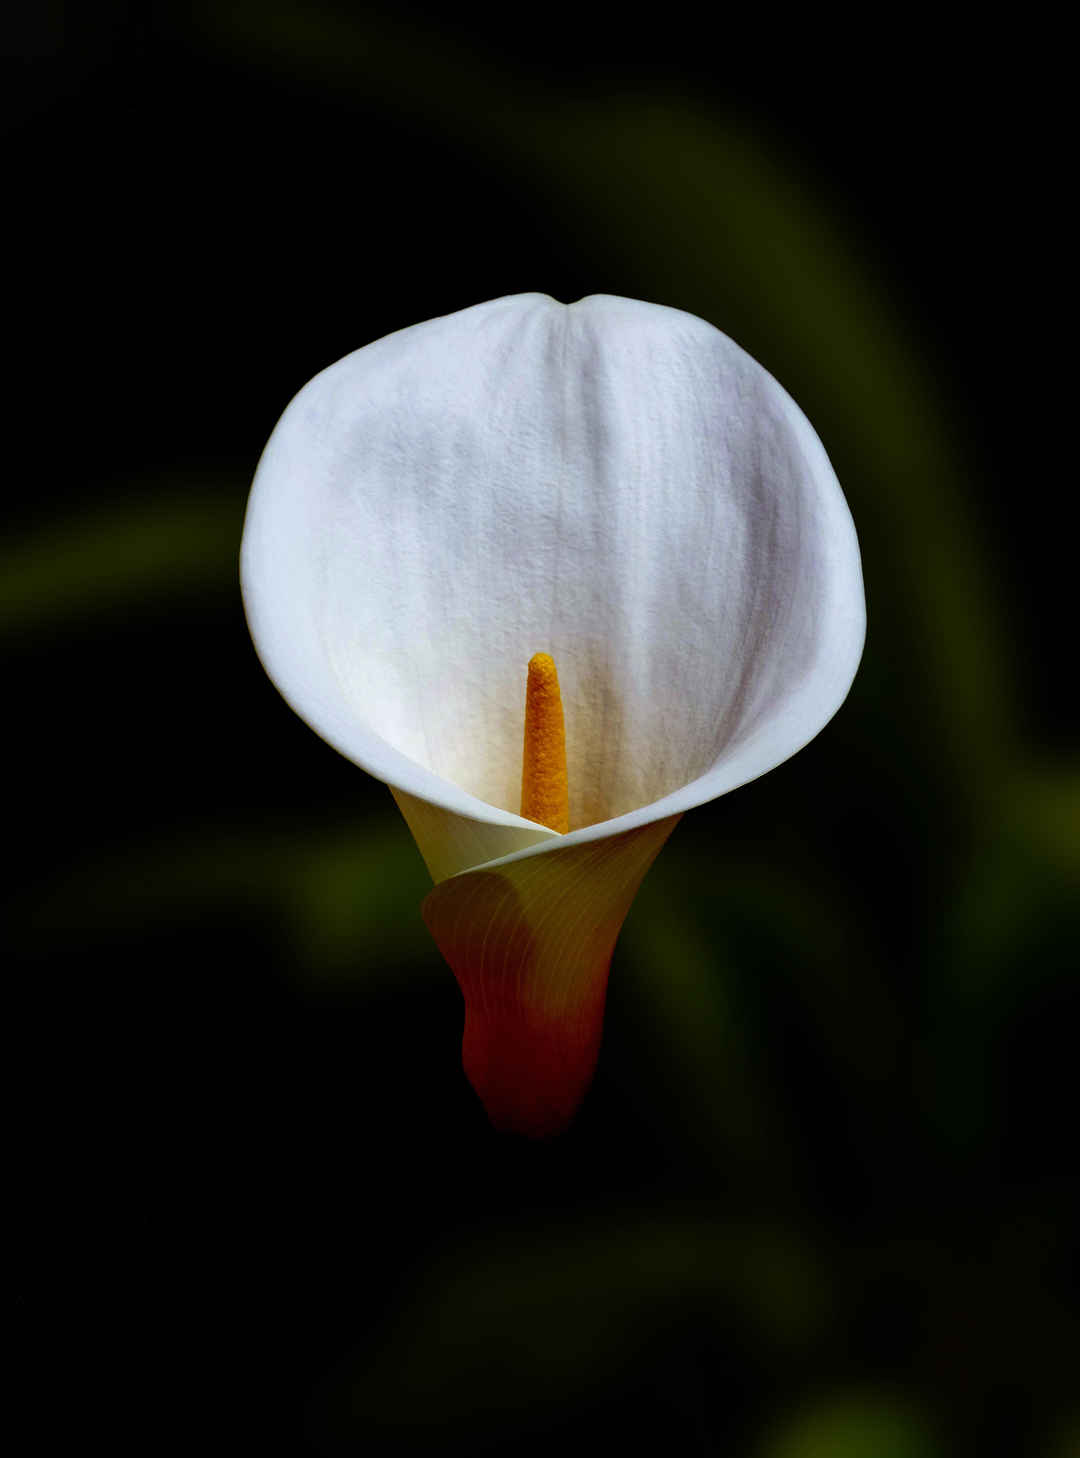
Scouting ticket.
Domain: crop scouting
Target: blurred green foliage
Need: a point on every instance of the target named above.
(852, 1428)
(821, 1201)
(97, 564)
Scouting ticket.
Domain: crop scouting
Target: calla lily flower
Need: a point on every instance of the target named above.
(614, 484)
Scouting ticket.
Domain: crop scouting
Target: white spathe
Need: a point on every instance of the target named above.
(612, 482)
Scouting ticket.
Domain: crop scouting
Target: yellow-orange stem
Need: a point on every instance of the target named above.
(544, 793)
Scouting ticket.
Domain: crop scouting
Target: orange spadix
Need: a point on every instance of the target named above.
(545, 795)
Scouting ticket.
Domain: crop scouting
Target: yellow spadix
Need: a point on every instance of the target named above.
(545, 794)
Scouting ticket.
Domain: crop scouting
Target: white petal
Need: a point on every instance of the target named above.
(451, 842)
(612, 482)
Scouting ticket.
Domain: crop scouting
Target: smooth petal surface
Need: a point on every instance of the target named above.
(612, 482)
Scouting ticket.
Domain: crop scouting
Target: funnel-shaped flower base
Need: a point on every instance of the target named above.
(530, 941)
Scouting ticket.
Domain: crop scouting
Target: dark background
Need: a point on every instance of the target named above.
(822, 1197)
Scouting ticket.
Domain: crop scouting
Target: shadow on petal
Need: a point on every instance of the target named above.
(530, 942)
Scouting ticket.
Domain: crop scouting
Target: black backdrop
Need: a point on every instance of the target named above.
(256, 1200)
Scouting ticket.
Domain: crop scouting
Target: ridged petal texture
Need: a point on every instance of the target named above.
(611, 482)
(530, 941)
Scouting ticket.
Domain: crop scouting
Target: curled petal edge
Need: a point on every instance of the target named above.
(451, 842)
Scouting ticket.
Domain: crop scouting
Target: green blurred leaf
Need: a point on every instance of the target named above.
(549, 1314)
(857, 1426)
(1009, 937)
(1067, 1442)
(103, 563)
(710, 940)
(349, 902)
